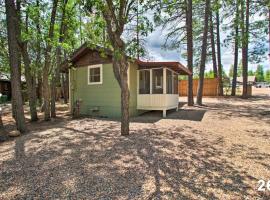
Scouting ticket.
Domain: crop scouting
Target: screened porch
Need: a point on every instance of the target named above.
(157, 89)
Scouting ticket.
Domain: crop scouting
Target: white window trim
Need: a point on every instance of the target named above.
(101, 74)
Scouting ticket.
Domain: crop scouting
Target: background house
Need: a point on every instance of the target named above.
(251, 80)
(5, 85)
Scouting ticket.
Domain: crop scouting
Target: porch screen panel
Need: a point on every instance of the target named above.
(157, 81)
(175, 84)
(144, 82)
(169, 80)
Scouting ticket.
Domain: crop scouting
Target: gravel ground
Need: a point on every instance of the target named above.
(218, 151)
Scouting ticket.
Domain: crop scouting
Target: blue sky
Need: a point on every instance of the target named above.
(155, 40)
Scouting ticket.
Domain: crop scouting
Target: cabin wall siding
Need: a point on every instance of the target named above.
(106, 96)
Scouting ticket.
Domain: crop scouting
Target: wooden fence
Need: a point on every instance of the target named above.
(210, 87)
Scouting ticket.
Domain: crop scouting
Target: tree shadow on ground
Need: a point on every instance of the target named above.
(250, 108)
(31, 127)
(181, 114)
(87, 159)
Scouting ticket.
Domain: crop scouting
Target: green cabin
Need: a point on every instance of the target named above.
(152, 85)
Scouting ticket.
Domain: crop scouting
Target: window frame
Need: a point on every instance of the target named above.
(101, 74)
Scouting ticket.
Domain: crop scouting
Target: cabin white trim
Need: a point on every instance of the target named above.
(100, 75)
(164, 81)
(157, 101)
(151, 81)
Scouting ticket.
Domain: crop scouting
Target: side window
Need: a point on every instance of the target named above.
(94, 74)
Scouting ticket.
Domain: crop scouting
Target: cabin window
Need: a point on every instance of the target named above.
(158, 81)
(94, 74)
(144, 82)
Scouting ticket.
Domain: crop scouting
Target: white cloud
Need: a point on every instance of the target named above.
(156, 39)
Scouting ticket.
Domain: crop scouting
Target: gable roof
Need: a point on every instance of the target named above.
(85, 49)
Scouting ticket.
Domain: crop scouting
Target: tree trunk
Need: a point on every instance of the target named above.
(124, 105)
(62, 31)
(235, 65)
(30, 77)
(120, 61)
(190, 51)
(53, 97)
(269, 30)
(245, 35)
(1, 121)
(65, 87)
(13, 103)
(220, 70)
(56, 80)
(46, 93)
(80, 24)
(30, 82)
(39, 88)
(120, 67)
(14, 60)
(38, 59)
(54, 83)
(46, 69)
(203, 53)
(137, 31)
(18, 36)
(213, 45)
(65, 83)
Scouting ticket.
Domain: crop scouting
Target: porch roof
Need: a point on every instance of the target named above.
(175, 66)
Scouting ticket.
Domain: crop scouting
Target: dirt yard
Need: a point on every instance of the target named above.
(218, 151)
